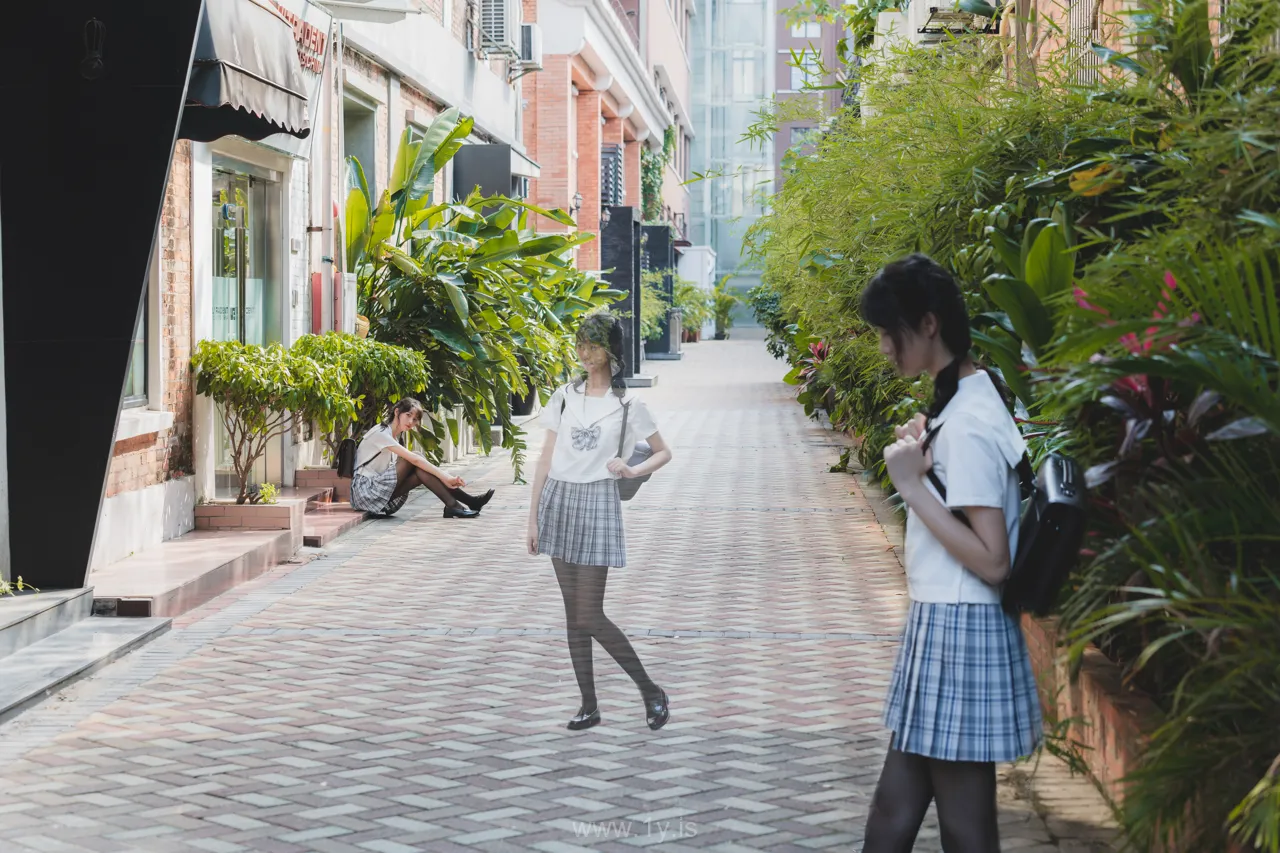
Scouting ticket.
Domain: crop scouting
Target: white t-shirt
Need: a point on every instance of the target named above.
(374, 449)
(587, 434)
(975, 455)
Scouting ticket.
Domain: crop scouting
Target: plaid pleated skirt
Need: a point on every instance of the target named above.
(582, 523)
(372, 493)
(963, 689)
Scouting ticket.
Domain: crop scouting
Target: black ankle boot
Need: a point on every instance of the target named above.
(460, 511)
(471, 501)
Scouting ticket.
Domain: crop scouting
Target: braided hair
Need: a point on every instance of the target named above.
(899, 297)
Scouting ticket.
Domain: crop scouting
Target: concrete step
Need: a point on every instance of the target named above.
(321, 526)
(39, 670)
(28, 618)
(184, 573)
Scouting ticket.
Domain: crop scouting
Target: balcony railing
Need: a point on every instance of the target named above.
(628, 12)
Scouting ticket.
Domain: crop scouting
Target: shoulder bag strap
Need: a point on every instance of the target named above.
(622, 439)
(937, 481)
(371, 458)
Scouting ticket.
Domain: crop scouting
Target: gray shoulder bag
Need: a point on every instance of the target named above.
(639, 454)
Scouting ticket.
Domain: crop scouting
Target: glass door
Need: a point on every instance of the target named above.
(246, 292)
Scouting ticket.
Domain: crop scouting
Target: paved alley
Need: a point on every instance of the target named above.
(407, 689)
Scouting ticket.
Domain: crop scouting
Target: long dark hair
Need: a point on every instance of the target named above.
(900, 296)
(401, 407)
(604, 329)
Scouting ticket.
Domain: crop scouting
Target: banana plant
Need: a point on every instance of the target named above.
(490, 303)
(1039, 271)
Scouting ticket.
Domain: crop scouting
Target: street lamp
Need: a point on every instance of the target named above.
(577, 204)
(605, 214)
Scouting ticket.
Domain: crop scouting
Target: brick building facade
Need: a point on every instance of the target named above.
(377, 78)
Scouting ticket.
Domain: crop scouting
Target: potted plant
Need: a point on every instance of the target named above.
(259, 389)
(695, 309)
(722, 304)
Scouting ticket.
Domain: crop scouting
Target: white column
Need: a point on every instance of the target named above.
(203, 414)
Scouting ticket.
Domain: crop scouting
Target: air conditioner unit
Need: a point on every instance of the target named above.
(531, 46)
(500, 27)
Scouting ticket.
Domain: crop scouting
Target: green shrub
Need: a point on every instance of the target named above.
(380, 374)
(260, 390)
(491, 305)
(693, 303)
(1118, 246)
(653, 303)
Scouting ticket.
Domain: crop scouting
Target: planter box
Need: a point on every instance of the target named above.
(309, 479)
(1110, 719)
(278, 516)
(285, 515)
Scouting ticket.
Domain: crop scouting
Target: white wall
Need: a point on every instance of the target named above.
(135, 521)
(698, 264)
(203, 414)
(426, 55)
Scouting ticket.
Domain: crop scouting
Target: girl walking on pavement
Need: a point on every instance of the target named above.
(575, 516)
(386, 471)
(962, 696)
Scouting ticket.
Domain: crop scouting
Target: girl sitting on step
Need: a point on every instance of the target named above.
(386, 471)
(962, 696)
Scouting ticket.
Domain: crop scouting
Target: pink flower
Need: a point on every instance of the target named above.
(1169, 281)
(1082, 301)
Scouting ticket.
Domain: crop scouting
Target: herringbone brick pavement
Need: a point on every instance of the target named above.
(407, 690)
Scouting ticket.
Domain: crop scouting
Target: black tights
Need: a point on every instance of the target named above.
(411, 476)
(965, 794)
(583, 591)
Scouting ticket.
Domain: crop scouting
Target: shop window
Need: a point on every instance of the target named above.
(806, 30)
(135, 384)
(360, 138)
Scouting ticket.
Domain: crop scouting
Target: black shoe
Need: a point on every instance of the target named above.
(476, 503)
(459, 512)
(657, 710)
(585, 720)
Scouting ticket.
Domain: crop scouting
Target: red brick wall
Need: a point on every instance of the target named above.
(589, 139)
(459, 22)
(435, 8)
(631, 167)
(548, 134)
(147, 460)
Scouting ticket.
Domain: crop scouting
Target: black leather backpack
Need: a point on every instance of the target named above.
(1049, 535)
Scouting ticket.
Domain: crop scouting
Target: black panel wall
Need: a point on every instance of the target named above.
(620, 257)
(660, 256)
(83, 165)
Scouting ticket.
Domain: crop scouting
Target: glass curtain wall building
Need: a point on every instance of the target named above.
(733, 54)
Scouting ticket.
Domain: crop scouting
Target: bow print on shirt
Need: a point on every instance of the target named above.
(586, 439)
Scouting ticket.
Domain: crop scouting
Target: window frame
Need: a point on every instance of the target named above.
(805, 29)
(140, 401)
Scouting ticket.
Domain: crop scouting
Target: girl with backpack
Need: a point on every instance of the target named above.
(962, 696)
(386, 471)
(575, 514)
